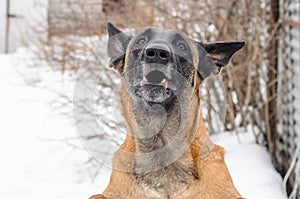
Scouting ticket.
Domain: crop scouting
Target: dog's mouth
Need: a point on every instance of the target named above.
(155, 78)
(155, 87)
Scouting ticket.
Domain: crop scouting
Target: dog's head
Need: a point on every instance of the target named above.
(159, 65)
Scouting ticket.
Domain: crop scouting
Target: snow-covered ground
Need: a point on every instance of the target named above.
(41, 156)
(251, 168)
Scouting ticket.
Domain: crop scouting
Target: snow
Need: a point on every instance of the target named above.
(251, 167)
(41, 156)
(35, 162)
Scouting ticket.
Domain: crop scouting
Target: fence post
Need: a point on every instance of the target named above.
(272, 52)
(6, 47)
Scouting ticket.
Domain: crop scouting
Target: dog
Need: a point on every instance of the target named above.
(167, 153)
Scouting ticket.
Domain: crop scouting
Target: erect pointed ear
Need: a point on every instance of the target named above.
(116, 47)
(214, 56)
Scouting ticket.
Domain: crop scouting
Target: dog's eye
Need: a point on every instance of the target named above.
(141, 41)
(181, 46)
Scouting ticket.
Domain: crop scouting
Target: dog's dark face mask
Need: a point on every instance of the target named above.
(159, 65)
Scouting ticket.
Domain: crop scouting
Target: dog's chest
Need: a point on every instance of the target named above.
(173, 178)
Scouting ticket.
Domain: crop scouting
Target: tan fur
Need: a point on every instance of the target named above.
(204, 160)
(214, 180)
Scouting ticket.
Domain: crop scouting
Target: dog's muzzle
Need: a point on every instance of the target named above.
(156, 81)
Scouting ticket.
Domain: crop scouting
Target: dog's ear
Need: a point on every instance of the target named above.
(214, 56)
(116, 47)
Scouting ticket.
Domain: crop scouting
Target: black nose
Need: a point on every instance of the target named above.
(157, 53)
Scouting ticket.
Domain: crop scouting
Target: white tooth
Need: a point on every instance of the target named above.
(145, 79)
(165, 83)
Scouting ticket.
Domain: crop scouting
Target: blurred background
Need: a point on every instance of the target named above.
(44, 43)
